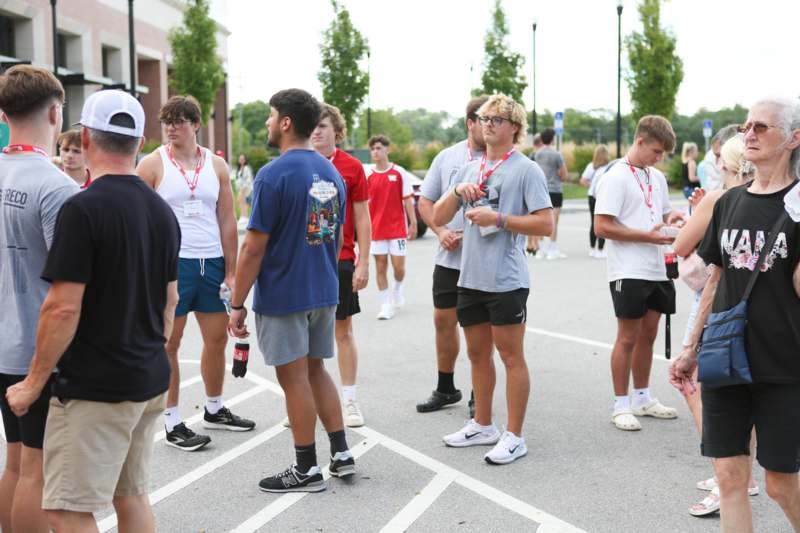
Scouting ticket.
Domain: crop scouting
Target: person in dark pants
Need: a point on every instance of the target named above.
(113, 268)
(590, 178)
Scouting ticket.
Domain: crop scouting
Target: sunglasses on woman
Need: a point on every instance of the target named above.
(757, 127)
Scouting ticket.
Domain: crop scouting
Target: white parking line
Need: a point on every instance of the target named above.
(261, 518)
(206, 468)
(582, 340)
(418, 504)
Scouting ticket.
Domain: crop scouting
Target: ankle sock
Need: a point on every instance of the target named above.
(398, 287)
(386, 296)
(622, 402)
(641, 396)
(349, 393)
(172, 417)
(446, 384)
(306, 457)
(214, 404)
(338, 442)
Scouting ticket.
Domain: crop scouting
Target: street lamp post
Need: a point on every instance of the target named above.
(55, 38)
(619, 77)
(533, 121)
(369, 99)
(131, 48)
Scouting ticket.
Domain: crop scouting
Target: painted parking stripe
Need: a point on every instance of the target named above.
(419, 504)
(582, 340)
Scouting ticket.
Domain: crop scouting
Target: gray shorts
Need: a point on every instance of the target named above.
(284, 339)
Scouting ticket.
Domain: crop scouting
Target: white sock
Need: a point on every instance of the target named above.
(398, 287)
(349, 393)
(214, 404)
(641, 397)
(622, 402)
(172, 417)
(386, 296)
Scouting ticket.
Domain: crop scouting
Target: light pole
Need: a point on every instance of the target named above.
(369, 98)
(131, 48)
(533, 121)
(619, 76)
(55, 38)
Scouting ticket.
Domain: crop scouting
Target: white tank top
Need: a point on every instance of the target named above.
(200, 237)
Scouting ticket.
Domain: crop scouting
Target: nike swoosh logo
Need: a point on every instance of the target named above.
(512, 450)
(519, 315)
(470, 435)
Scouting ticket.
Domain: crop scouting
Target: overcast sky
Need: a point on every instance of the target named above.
(428, 53)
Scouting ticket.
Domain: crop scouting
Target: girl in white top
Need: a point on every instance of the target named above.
(590, 177)
(244, 187)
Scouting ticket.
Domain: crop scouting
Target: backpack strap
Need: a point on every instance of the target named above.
(765, 251)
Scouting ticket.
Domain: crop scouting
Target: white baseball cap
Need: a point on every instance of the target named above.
(102, 106)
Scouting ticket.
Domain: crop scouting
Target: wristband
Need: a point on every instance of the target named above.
(505, 221)
(455, 192)
(237, 307)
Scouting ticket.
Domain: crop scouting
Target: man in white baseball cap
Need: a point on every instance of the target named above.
(112, 268)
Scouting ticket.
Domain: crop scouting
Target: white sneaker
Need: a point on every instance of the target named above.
(509, 449)
(540, 254)
(472, 434)
(398, 300)
(592, 252)
(386, 312)
(600, 254)
(352, 414)
(553, 253)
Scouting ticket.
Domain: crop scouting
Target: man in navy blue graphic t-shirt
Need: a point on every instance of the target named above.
(290, 253)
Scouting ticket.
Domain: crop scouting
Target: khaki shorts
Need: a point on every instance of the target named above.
(94, 451)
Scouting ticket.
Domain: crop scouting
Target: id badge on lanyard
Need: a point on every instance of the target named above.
(193, 208)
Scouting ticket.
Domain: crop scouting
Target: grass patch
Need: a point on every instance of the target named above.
(573, 191)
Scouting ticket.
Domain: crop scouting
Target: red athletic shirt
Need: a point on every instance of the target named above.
(387, 190)
(355, 180)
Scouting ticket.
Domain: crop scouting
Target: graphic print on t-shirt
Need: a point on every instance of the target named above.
(742, 254)
(323, 212)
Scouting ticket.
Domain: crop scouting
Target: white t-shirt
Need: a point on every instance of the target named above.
(620, 194)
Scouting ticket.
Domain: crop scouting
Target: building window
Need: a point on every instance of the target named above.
(69, 52)
(7, 47)
(112, 63)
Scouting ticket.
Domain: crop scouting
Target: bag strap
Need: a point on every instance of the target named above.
(765, 251)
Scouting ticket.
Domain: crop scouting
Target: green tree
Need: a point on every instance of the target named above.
(196, 69)
(656, 71)
(343, 82)
(502, 68)
(384, 122)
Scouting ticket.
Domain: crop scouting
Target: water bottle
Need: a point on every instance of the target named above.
(241, 352)
(671, 262)
(225, 294)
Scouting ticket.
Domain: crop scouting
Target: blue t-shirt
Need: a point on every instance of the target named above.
(299, 199)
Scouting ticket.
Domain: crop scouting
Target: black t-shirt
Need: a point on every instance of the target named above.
(738, 231)
(120, 239)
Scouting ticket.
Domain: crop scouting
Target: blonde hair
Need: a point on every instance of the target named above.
(508, 108)
(337, 121)
(732, 157)
(600, 156)
(688, 147)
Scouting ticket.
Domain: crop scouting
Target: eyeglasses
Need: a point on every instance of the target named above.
(757, 127)
(175, 123)
(495, 121)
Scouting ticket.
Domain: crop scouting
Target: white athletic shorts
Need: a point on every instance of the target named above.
(391, 247)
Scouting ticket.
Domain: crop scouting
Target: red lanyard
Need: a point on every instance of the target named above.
(648, 196)
(18, 148)
(193, 183)
(483, 178)
(333, 155)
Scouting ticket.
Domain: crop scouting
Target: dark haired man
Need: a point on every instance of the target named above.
(440, 178)
(197, 186)
(391, 211)
(555, 170)
(33, 191)
(353, 271)
(112, 266)
(298, 210)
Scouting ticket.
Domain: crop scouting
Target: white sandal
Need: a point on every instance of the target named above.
(656, 409)
(711, 484)
(708, 505)
(625, 420)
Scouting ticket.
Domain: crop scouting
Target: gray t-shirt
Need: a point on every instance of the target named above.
(550, 161)
(441, 176)
(496, 262)
(32, 192)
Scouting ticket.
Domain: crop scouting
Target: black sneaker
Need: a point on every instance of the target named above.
(292, 480)
(224, 419)
(342, 464)
(471, 405)
(437, 400)
(185, 439)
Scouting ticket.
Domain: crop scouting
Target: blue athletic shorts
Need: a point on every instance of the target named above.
(198, 285)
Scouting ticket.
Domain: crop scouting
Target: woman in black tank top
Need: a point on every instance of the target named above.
(689, 179)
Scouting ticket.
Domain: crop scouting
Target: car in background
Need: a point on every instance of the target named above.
(416, 183)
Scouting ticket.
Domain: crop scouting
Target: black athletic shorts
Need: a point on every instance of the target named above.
(28, 428)
(633, 297)
(445, 287)
(729, 414)
(348, 300)
(557, 199)
(497, 308)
